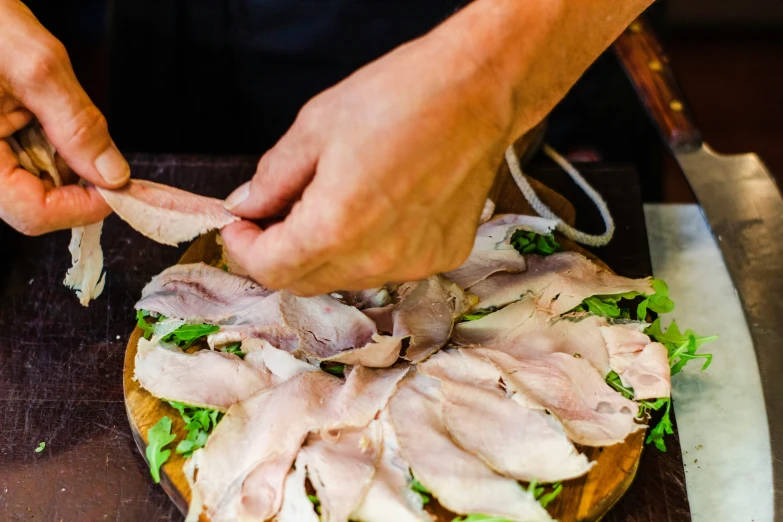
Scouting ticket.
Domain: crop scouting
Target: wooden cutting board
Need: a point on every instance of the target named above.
(585, 499)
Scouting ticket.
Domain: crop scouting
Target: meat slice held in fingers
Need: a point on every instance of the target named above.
(460, 480)
(515, 441)
(492, 249)
(426, 315)
(558, 282)
(341, 471)
(166, 214)
(591, 412)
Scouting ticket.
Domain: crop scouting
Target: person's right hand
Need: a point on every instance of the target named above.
(36, 80)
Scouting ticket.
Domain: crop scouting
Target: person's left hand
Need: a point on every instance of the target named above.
(393, 166)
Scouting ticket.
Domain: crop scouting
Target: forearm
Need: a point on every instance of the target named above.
(535, 50)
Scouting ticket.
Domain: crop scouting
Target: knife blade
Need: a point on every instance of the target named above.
(743, 207)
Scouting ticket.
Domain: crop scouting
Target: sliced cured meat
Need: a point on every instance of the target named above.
(513, 440)
(523, 330)
(205, 378)
(296, 504)
(426, 315)
(280, 363)
(487, 211)
(591, 412)
(248, 456)
(166, 214)
(341, 471)
(382, 352)
(640, 363)
(383, 318)
(201, 293)
(390, 497)
(492, 250)
(558, 283)
(325, 326)
(86, 276)
(461, 481)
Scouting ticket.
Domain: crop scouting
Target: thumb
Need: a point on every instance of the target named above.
(74, 125)
(281, 177)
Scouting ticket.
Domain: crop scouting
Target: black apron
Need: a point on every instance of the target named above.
(229, 76)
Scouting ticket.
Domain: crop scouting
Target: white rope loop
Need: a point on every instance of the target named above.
(544, 211)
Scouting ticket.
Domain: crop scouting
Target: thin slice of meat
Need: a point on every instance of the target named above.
(296, 504)
(201, 293)
(592, 413)
(382, 352)
(249, 454)
(513, 440)
(325, 326)
(166, 214)
(382, 317)
(341, 471)
(40, 152)
(205, 378)
(492, 249)
(558, 283)
(251, 451)
(641, 364)
(390, 497)
(426, 315)
(86, 276)
(282, 364)
(523, 331)
(461, 482)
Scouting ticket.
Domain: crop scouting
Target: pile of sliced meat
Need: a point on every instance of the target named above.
(469, 409)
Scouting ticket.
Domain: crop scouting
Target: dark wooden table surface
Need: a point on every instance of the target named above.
(61, 364)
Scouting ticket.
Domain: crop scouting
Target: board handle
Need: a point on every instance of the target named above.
(648, 68)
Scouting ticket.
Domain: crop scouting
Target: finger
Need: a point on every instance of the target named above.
(74, 125)
(28, 207)
(274, 257)
(281, 177)
(11, 122)
(330, 278)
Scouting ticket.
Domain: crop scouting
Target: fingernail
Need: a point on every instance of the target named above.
(238, 196)
(112, 166)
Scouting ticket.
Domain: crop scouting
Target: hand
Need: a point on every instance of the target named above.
(36, 80)
(393, 166)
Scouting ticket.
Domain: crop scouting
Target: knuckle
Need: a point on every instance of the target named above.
(86, 124)
(44, 63)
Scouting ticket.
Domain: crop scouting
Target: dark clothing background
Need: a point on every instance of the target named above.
(229, 76)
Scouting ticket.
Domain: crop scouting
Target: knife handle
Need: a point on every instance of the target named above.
(648, 68)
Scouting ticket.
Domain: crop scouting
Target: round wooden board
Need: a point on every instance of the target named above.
(583, 500)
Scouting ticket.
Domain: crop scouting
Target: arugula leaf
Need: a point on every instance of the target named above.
(659, 302)
(663, 428)
(199, 422)
(547, 499)
(159, 437)
(532, 243)
(141, 322)
(41, 447)
(316, 503)
(336, 369)
(187, 334)
(613, 380)
(682, 346)
(476, 314)
(606, 308)
(234, 349)
(424, 493)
